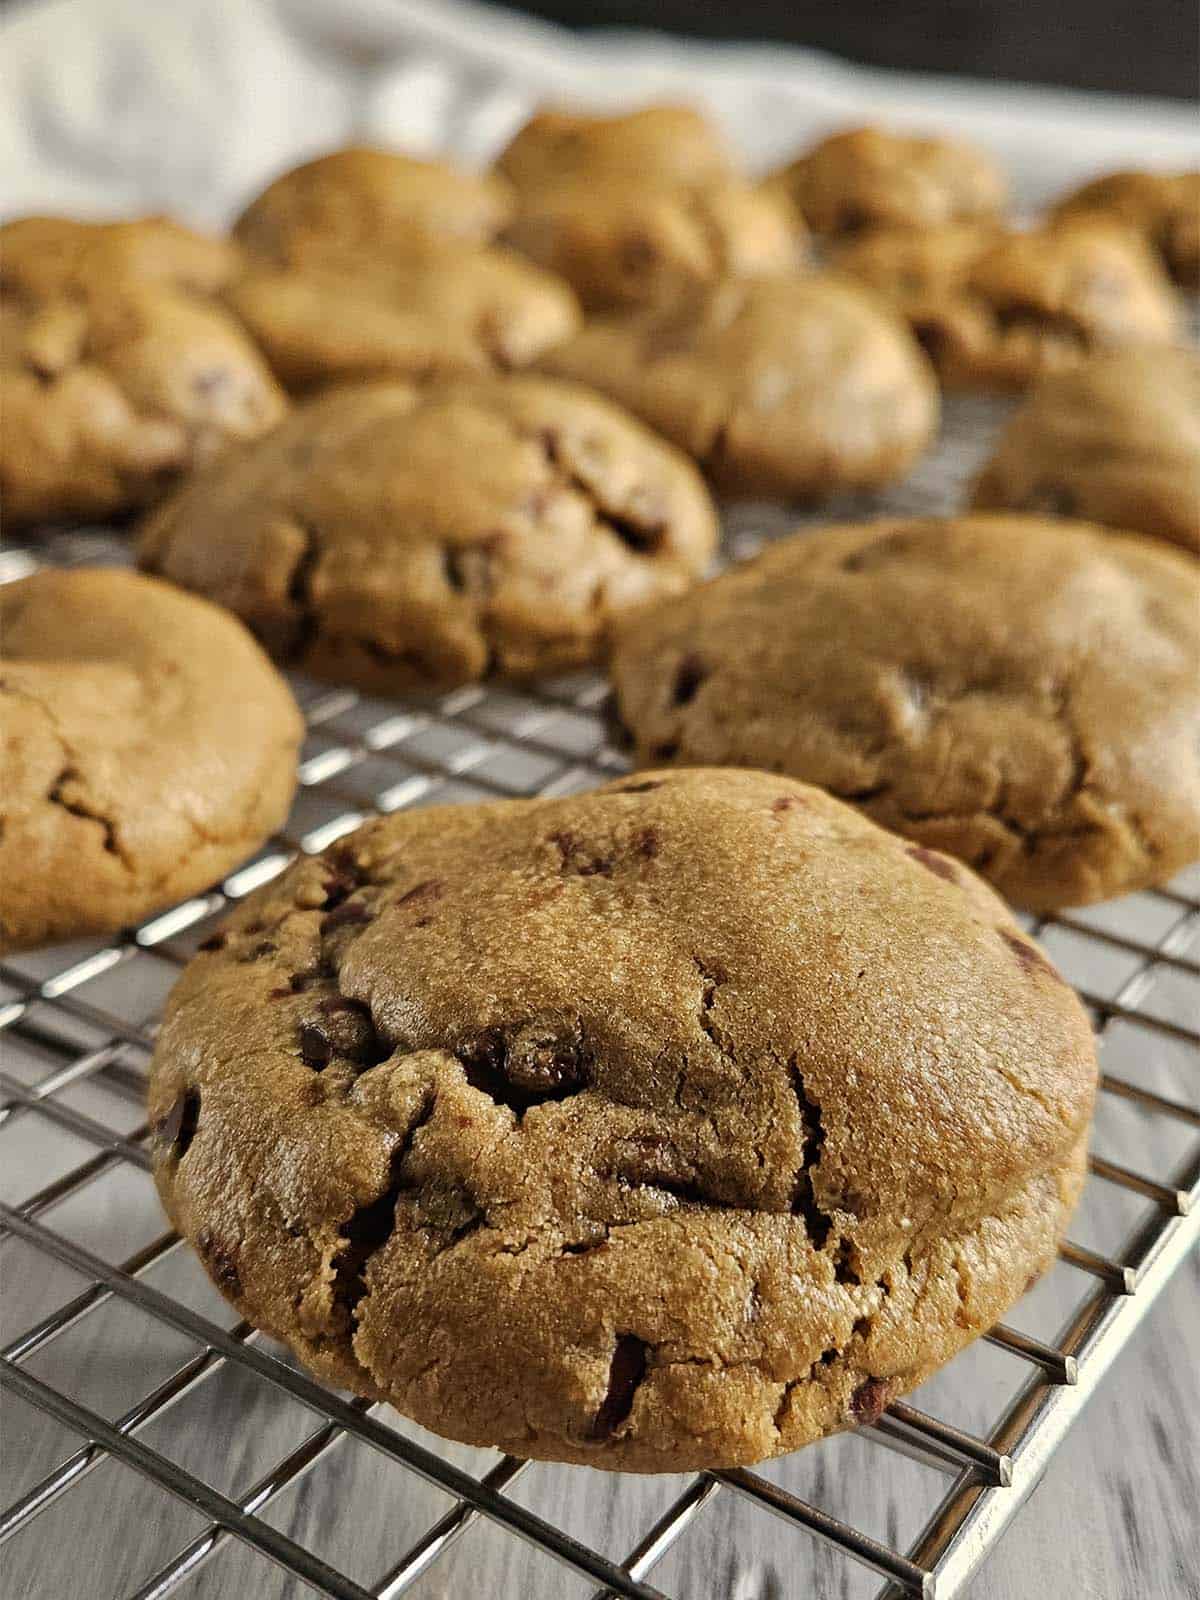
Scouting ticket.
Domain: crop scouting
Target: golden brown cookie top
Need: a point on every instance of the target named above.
(663, 143)
(870, 177)
(1164, 207)
(368, 200)
(619, 243)
(109, 397)
(624, 1128)
(435, 309)
(401, 539)
(994, 308)
(44, 258)
(785, 386)
(147, 745)
(1022, 692)
(1115, 440)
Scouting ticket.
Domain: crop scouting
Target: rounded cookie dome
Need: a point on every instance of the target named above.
(667, 1126)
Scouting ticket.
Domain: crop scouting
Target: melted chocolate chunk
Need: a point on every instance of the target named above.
(938, 865)
(177, 1128)
(869, 1401)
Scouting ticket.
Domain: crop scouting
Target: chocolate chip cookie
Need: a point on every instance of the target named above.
(369, 201)
(869, 177)
(650, 242)
(665, 1127)
(640, 209)
(399, 539)
(107, 398)
(148, 746)
(1115, 440)
(434, 309)
(995, 308)
(664, 143)
(1019, 692)
(45, 258)
(1164, 207)
(790, 387)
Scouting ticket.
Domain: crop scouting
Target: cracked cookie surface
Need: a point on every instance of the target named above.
(401, 539)
(791, 387)
(994, 309)
(1164, 207)
(107, 399)
(1019, 692)
(870, 177)
(147, 745)
(669, 1126)
(433, 310)
(44, 258)
(1115, 440)
(371, 200)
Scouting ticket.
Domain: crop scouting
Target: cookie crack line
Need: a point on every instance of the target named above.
(299, 589)
(642, 538)
(367, 1230)
(56, 795)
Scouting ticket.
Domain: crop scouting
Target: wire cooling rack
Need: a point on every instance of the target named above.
(158, 1446)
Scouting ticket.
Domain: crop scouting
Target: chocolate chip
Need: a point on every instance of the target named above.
(933, 339)
(1052, 499)
(1030, 957)
(350, 913)
(211, 381)
(299, 982)
(526, 1066)
(315, 1048)
(625, 1373)
(215, 941)
(689, 675)
(639, 788)
(788, 802)
(575, 857)
(220, 1261)
(869, 1401)
(338, 887)
(637, 254)
(430, 889)
(177, 1128)
(647, 844)
(938, 865)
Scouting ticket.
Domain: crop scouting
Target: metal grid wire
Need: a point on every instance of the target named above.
(83, 1019)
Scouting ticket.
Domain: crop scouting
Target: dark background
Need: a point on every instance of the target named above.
(1134, 46)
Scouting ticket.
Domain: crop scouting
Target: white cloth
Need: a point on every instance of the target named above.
(189, 105)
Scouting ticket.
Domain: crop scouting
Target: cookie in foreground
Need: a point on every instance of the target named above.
(664, 1127)
(402, 539)
(147, 745)
(1019, 691)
